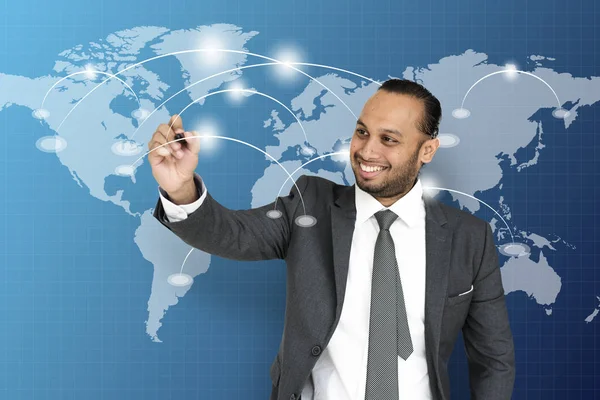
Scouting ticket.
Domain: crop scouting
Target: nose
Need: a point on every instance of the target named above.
(369, 148)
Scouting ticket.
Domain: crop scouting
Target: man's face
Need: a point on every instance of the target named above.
(387, 149)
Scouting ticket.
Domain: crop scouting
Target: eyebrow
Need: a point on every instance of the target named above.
(384, 130)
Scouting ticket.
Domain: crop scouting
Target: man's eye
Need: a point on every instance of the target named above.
(389, 139)
(360, 131)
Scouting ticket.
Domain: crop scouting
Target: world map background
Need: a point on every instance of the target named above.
(88, 311)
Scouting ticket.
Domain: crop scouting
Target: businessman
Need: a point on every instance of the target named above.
(379, 288)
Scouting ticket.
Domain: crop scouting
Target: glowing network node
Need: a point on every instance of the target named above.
(180, 279)
(287, 57)
(40, 113)
(511, 72)
(515, 249)
(90, 73)
(51, 144)
(560, 113)
(126, 148)
(140, 114)
(306, 221)
(237, 92)
(125, 170)
(207, 131)
(448, 140)
(253, 92)
(211, 50)
(274, 214)
(461, 113)
(341, 156)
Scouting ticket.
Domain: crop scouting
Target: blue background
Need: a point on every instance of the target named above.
(74, 288)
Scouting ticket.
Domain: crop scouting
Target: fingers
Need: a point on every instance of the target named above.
(176, 123)
(193, 141)
(158, 153)
(163, 146)
(169, 136)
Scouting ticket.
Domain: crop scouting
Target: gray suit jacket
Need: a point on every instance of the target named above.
(460, 252)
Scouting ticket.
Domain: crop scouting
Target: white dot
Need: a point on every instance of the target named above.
(307, 151)
(51, 144)
(306, 221)
(461, 113)
(560, 113)
(448, 140)
(180, 280)
(126, 148)
(140, 114)
(125, 170)
(515, 249)
(274, 214)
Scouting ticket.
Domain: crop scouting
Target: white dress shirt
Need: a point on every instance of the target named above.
(180, 212)
(341, 370)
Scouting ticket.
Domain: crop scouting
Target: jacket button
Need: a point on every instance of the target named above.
(316, 350)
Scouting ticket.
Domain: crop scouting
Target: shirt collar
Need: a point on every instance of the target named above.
(407, 208)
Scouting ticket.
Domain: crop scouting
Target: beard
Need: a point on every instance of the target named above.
(397, 180)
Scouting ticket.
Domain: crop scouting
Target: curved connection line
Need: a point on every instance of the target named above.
(303, 165)
(233, 140)
(246, 91)
(240, 69)
(278, 194)
(288, 64)
(185, 259)
(194, 84)
(335, 69)
(505, 71)
(90, 72)
(479, 200)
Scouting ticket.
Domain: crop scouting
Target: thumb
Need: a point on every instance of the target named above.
(193, 141)
(176, 123)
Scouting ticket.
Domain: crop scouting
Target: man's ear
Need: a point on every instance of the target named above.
(428, 149)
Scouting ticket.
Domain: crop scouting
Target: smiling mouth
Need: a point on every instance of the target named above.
(370, 171)
(371, 168)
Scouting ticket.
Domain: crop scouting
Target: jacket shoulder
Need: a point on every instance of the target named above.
(321, 183)
(321, 189)
(461, 219)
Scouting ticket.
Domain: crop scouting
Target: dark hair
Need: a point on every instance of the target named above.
(430, 122)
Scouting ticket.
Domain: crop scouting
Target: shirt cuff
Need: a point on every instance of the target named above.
(179, 212)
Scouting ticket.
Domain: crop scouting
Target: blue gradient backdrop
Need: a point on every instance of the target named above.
(74, 287)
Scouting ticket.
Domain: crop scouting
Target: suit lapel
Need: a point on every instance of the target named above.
(343, 218)
(438, 238)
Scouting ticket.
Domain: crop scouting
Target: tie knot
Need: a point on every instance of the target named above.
(385, 218)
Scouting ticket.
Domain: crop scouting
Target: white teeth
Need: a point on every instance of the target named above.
(370, 169)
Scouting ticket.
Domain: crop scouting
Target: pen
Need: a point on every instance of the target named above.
(179, 136)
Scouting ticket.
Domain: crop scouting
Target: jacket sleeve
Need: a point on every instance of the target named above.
(486, 332)
(178, 212)
(247, 235)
